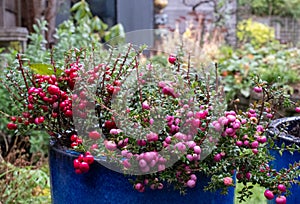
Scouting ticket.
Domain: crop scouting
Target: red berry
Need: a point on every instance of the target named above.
(297, 109)
(269, 194)
(54, 115)
(84, 167)
(281, 187)
(117, 83)
(110, 125)
(79, 141)
(53, 90)
(68, 113)
(30, 106)
(74, 138)
(281, 200)
(13, 118)
(74, 144)
(41, 119)
(89, 159)
(172, 59)
(78, 171)
(12, 126)
(110, 89)
(76, 164)
(80, 158)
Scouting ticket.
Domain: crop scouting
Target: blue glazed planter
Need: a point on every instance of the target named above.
(288, 131)
(104, 186)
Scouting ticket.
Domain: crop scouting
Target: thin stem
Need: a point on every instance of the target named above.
(22, 70)
(188, 71)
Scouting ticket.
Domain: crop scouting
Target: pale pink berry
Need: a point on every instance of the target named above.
(145, 105)
(191, 183)
(110, 145)
(227, 181)
(152, 137)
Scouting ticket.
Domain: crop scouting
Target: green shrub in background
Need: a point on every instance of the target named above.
(285, 8)
(255, 33)
(275, 64)
(24, 184)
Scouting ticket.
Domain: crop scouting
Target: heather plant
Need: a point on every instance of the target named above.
(166, 125)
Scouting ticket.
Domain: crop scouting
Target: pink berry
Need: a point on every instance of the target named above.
(145, 105)
(110, 145)
(197, 149)
(254, 144)
(138, 186)
(191, 183)
(255, 151)
(190, 157)
(217, 157)
(248, 175)
(152, 137)
(227, 181)
(281, 200)
(281, 187)
(297, 109)
(257, 89)
(239, 143)
(269, 194)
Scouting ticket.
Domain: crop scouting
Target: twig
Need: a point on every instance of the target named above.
(21, 68)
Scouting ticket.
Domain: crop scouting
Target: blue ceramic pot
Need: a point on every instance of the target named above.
(288, 132)
(103, 186)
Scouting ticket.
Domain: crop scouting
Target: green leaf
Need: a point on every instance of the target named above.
(44, 69)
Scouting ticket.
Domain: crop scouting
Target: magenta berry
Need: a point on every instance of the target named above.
(297, 109)
(281, 188)
(254, 144)
(217, 157)
(281, 200)
(269, 194)
(172, 59)
(257, 89)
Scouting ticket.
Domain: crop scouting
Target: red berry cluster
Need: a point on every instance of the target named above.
(47, 94)
(75, 141)
(71, 74)
(83, 162)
